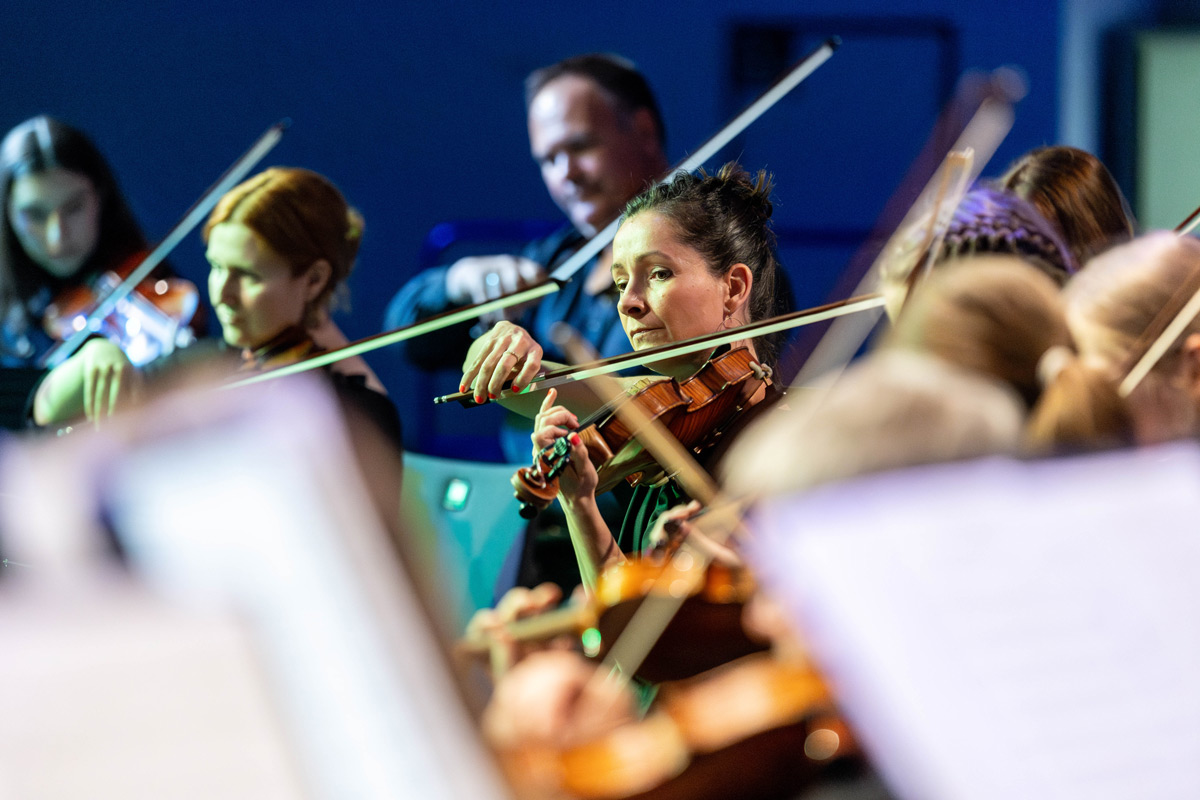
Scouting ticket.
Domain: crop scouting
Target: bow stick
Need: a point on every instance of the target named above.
(564, 272)
(793, 78)
(708, 341)
(982, 134)
(1189, 224)
(193, 217)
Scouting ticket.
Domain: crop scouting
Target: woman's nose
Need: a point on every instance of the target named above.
(631, 303)
(221, 290)
(54, 234)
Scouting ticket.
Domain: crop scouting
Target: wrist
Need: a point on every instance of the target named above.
(578, 503)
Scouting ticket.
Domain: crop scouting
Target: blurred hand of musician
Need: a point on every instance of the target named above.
(517, 603)
(552, 699)
(477, 279)
(675, 524)
(109, 380)
(94, 384)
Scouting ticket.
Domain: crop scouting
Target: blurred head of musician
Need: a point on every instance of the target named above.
(999, 317)
(1111, 304)
(1075, 191)
(597, 135)
(986, 220)
(65, 218)
(896, 407)
(280, 246)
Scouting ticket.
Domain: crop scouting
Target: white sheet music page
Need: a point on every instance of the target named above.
(1007, 630)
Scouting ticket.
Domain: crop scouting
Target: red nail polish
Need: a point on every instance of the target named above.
(462, 388)
(574, 439)
(491, 396)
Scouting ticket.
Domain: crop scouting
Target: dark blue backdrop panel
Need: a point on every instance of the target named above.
(415, 109)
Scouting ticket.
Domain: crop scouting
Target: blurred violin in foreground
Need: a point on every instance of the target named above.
(149, 322)
(758, 728)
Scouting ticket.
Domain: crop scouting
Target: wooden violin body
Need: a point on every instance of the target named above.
(695, 411)
(759, 728)
(147, 323)
(706, 631)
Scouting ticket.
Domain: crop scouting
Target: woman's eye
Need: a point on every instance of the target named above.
(661, 273)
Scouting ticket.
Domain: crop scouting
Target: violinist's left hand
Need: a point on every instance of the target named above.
(555, 422)
(93, 383)
(490, 625)
(680, 519)
(672, 525)
(109, 380)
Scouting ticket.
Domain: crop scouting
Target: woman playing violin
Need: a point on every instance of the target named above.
(691, 257)
(65, 223)
(280, 245)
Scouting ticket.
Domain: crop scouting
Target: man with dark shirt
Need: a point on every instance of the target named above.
(597, 136)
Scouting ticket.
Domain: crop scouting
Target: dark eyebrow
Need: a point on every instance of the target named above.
(649, 254)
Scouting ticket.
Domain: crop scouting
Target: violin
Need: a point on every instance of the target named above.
(695, 411)
(290, 345)
(757, 728)
(149, 322)
(705, 633)
(80, 326)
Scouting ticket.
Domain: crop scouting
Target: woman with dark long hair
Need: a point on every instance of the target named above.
(65, 223)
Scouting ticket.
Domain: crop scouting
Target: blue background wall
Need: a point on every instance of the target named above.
(415, 111)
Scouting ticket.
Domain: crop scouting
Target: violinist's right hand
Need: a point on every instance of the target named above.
(506, 351)
(480, 278)
(555, 422)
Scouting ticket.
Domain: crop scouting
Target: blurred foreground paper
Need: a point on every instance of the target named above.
(1002, 630)
(267, 644)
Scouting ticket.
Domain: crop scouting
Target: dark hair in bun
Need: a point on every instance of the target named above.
(727, 219)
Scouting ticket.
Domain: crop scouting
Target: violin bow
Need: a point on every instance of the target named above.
(191, 218)
(1189, 224)
(708, 341)
(774, 93)
(952, 185)
(985, 128)
(565, 271)
(1167, 325)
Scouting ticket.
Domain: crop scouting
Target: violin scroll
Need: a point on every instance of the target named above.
(535, 487)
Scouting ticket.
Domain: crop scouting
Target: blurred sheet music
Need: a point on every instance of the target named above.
(1000, 629)
(268, 616)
